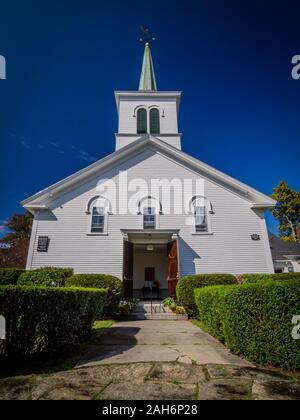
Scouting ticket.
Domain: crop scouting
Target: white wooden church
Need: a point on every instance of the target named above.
(150, 213)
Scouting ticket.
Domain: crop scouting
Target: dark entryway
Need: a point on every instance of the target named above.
(156, 265)
(149, 274)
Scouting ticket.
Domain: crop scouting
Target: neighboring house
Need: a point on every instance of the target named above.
(150, 213)
(286, 255)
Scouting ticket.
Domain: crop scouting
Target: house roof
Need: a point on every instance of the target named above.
(257, 199)
(281, 249)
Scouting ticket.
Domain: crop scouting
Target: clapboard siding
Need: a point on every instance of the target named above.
(228, 249)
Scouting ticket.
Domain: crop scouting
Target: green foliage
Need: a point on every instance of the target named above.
(47, 320)
(287, 210)
(169, 301)
(180, 310)
(255, 278)
(16, 241)
(254, 320)
(128, 306)
(46, 276)
(187, 285)
(113, 284)
(286, 276)
(19, 227)
(10, 275)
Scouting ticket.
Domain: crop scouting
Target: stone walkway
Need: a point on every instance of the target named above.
(159, 341)
(156, 360)
(154, 381)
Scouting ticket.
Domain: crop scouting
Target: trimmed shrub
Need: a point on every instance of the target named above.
(10, 275)
(254, 278)
(254, 320)
(47, 276)
(113, 284)
(46, 320)
(286, 276)
(187, 285)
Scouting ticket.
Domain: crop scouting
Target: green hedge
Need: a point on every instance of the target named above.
(46, 276)
(45, 320)
(254, 278)
(254, 320)
(10, 275)
(187, 285)
(113, 284)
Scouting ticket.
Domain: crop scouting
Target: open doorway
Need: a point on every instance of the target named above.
(150, 269)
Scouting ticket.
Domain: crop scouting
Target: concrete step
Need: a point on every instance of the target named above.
(145, 308)
(159, 312)
(154, 316)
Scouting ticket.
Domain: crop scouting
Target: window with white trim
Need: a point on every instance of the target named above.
(98, 220)
(149, 215)
(200, 215)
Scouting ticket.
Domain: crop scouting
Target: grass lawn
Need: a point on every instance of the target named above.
(58, 363)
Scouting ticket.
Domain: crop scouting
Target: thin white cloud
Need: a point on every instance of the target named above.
(56, 147)
(25, 144)
(81, 154)
(53, 146)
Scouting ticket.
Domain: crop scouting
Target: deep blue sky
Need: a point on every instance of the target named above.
(231, 59)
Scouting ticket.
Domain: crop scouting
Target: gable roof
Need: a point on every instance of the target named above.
(280, 249)
(257, 199)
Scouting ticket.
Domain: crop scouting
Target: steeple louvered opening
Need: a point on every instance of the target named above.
(154, 121)
(142, 121)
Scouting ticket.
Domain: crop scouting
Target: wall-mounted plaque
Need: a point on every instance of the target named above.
(43, 243)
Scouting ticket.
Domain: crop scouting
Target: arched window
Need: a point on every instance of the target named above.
(201, 208)
(149, 211)
(154, 121)
(98, 219)
(142, 121)
(200, 218)
(149, 214)
(98, 209)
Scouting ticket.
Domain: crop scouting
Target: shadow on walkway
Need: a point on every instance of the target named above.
(114, 342)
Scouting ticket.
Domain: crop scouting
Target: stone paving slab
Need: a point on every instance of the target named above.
(159, 341)
(149, 391)
(155, 381)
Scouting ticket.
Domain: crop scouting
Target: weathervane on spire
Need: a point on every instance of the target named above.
(147, 38)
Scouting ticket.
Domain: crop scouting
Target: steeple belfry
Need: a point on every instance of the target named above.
(147, 80)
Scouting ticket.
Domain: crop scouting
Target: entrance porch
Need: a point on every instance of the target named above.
(150, 264)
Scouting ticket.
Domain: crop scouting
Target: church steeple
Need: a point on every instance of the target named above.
(148, 112)
(147, 80)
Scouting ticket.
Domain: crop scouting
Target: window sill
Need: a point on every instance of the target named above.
(203, 233)
(96, 234)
